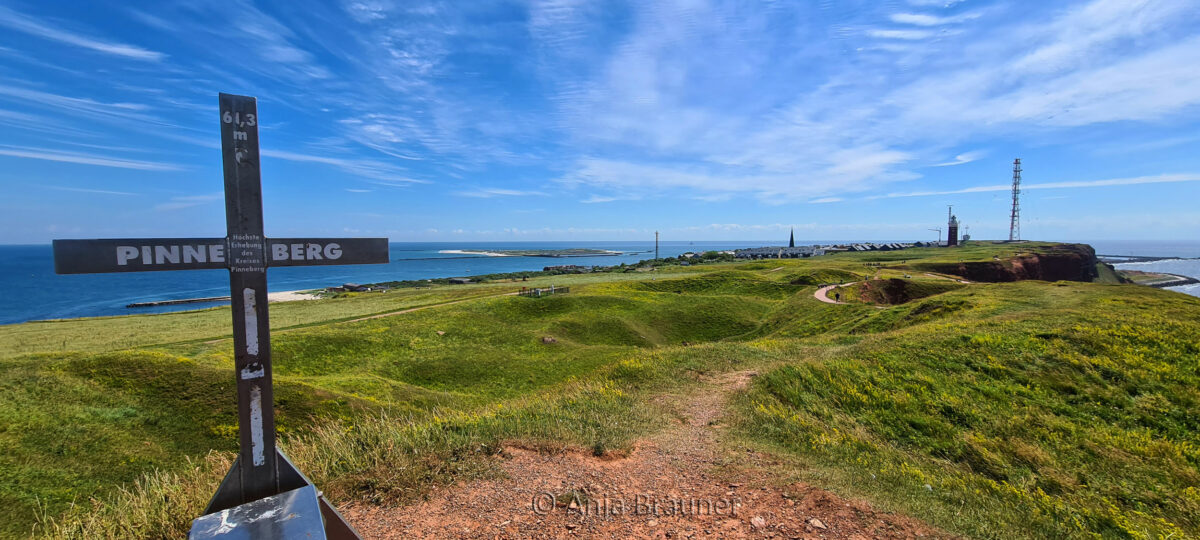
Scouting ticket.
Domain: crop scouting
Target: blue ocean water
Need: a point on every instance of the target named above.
(32, 291)
(1188, 263)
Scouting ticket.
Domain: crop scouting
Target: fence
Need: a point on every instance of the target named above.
(540, 292)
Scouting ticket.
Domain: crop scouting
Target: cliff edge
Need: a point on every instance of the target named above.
(1054, 262)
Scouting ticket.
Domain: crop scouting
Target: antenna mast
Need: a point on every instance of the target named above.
(1014, 226)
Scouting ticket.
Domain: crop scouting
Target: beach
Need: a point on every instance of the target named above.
(288, 296)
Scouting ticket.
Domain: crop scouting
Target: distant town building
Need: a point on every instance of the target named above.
(779, 252)
(459, 280)
(814, 250)
(568, 269)
(792, 239)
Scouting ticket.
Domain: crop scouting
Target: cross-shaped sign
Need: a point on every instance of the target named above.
(261, 470)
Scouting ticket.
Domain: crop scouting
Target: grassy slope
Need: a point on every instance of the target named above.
(1040, 410)
(1029, 408)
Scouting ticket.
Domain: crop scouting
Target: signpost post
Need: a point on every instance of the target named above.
(262, 479)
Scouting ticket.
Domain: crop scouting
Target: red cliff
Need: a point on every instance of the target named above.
(1060, 262)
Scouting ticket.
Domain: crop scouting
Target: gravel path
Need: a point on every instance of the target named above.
(822, 294)
(679, 483)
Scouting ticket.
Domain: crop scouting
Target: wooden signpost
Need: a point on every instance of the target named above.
(262, 478)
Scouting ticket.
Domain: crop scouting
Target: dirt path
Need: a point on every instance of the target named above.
(419, 308)
(822, 294)
(940, 276)
(680, 483)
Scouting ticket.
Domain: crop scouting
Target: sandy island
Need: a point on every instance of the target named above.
(467, 252)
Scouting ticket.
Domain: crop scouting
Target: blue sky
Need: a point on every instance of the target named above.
(566, 120)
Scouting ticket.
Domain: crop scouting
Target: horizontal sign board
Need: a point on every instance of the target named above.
(138, 255)
(241, 253)
(321, 251)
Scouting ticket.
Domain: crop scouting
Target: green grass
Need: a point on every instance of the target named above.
(97, 414)
(1107, 274)
(1045, 410)
(1030, 408)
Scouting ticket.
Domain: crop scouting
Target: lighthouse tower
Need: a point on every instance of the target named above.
(952, 234)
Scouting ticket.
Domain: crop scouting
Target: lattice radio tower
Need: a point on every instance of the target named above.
(1014, 226)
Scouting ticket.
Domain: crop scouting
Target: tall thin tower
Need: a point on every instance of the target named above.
(656, 245)
(1014, 226)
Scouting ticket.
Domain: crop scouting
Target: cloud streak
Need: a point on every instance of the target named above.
(89, 190)
(487, 193)
(28, 25)
(188, 201)
(45, 154)
(960, 159)
(1155, 179)
(379, 171)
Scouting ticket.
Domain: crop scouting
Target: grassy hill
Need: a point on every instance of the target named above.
(1024, 409)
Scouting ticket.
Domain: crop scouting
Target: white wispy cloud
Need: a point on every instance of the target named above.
(113, 112)
(965, 157)
(487, 193)
(1154, 179)
(850, 127)
(935, 3)
(812, 226)
(188, 201)
(46, 154)
(924, 19)
(40, 124)
(1079, 34)
(89, 190)
(900, 34)
(23, 23)
(379, 171)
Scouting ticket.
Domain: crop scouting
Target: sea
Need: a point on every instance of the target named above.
(1182, 258)
(30, 290)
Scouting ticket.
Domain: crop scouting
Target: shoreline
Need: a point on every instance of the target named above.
(1174, 280)
(555, 254)
(278, 296)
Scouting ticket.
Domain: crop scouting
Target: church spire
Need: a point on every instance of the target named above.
(792, 239)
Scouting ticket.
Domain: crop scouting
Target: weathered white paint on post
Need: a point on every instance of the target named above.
(256, 426)
(251, 321)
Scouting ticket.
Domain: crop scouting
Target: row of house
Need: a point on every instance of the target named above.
(354, 287)
(892, 246)
(780, 252)
(568, 269)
